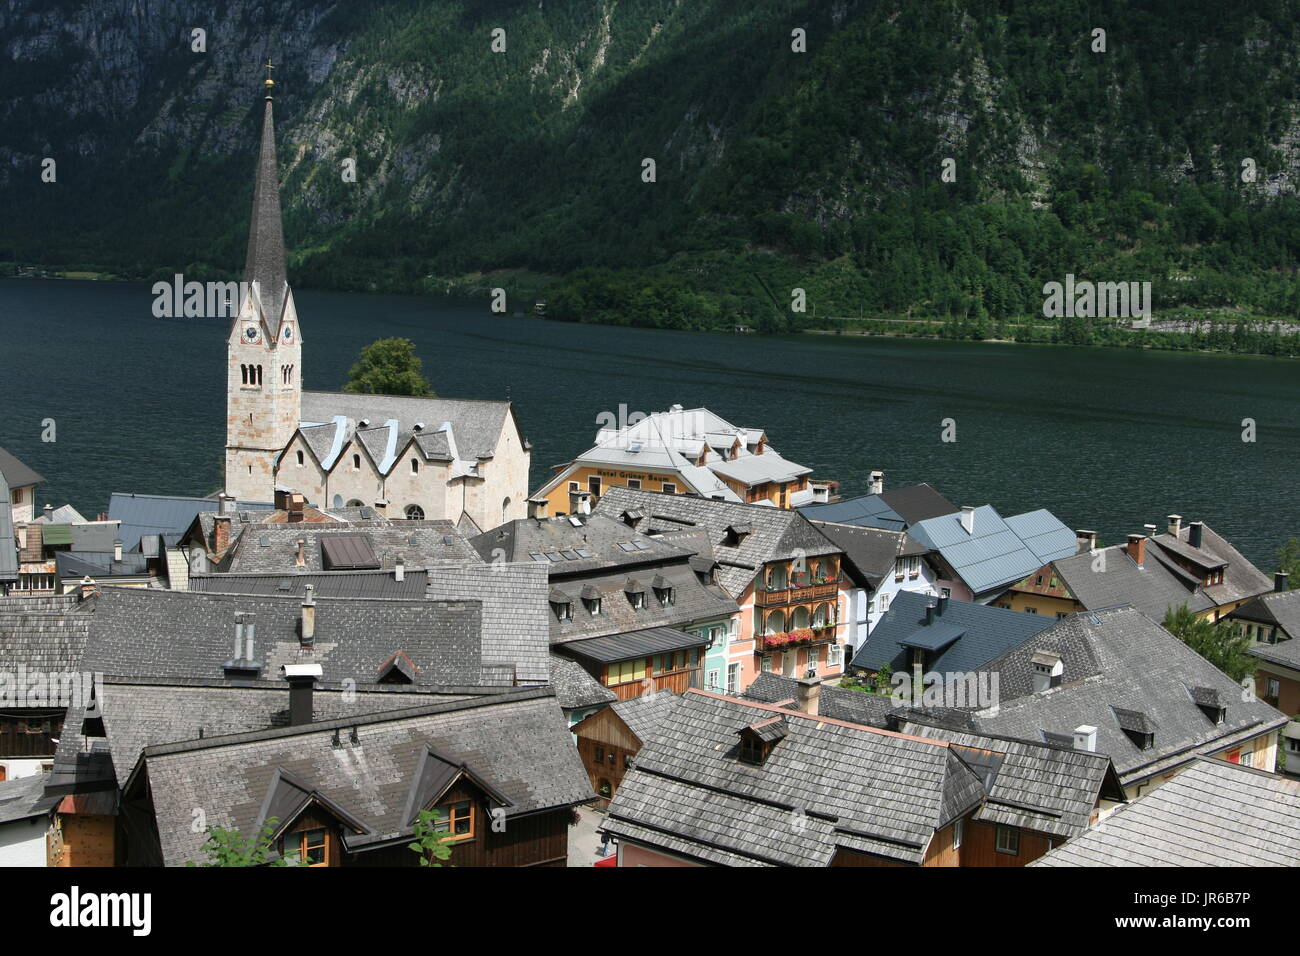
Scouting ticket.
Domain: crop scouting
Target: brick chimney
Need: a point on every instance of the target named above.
(221, 532)
(34, 545)
(1137, 548)
(296, 505)
(808, 694)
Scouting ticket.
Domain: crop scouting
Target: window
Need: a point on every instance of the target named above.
(638, 599)
(625, 672)
(733, 678)
(634, 482)
(1008, 841)
(946, 592)
(600, 755)
(765, 664)
(1031, 610)
(311, 846)
(814, 659)
(592, 605)
(456, 819)
(1248, 758)
(1272, 689)
(414, 513)
(835, 655)
(957, 834)
(593, 485)
(415, 466)
(751, 749)
(573, 486)
(714, 681)
(16, 496)
(670, 488)
(665, 596)
(356, 462)
(300, 459)
(563, 610)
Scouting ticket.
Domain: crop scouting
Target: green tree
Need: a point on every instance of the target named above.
(389, 367)
(1288, 560)
(1219, 643)
(430, 842)
(229, 848)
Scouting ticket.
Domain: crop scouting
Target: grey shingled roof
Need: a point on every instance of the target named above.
(644, 715)
(1281, 608)
(778, 533)
(632, 644)
(1109, 578)
(982, 633)
(823, 786)
(421, 544)
(1119, 658)
(574, 687)
(853, 706)
(139, 632)
(605, 539)
(140, 714)
(516, 615)
(518, 743)
(1211, 814)
(161, 514)
(1033, 785)
(872, 550)
(15, 473)
(23, 798)
(328, 584)
(475, 424)
(1241, 579)
(692, 602)
(45, 634)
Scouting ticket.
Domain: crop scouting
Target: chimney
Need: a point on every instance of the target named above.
(1085, 738)
(929, 614)
(300, 556)
(399, 569)
(221, 533)
(877, 482)
(296, 504)
(117, 549)
(34, 543)
(281, 498)
(1086, 540)
(307, 626)
(250, 632)
(1137, 548)
(302, 680)
(382, 508)
(943, 603)
(88, 587)
(1279, 581)
(968, 518)
(49, 512)
(239, 635)
(228, 504)
(579, 502)
(1175, 524)
(537, 507)
(1194, 529)
(808, 694)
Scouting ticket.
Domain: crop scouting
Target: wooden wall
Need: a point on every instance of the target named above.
(979, 847)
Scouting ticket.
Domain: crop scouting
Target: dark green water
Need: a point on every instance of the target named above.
(1106, 439)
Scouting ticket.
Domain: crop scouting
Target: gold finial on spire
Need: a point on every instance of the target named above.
(269, 67)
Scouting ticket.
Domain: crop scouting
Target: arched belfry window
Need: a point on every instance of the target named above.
(259, 375)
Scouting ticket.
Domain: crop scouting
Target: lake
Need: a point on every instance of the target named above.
(1106, 439)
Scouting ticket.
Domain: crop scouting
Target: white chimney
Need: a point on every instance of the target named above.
(250, 629)
(399, 569)
(968, 518)
(877, 482)
(1086, 540)
(1175, 524)
(227, 505)
(1085, 738)
(239, 634)
(117, 549)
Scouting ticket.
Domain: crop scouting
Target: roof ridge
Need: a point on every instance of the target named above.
(825, 720)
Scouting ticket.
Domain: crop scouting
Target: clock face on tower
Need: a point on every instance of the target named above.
(250, 334)
(287, 335)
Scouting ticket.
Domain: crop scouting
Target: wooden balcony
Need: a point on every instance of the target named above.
(820, 635)
(796, 595)
(677, 682)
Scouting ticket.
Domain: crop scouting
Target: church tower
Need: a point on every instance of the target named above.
(264, 348)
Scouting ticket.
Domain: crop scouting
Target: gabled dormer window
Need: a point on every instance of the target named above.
(592, 605)
(456, 820)
(638, 600)
(311, 847)
(665, 596)
(563, 610)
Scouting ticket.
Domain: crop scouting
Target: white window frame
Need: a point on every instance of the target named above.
(733, 678)
(713, 679)
(835, 654)
(957, 834)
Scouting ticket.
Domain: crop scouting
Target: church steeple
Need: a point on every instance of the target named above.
(265, 263)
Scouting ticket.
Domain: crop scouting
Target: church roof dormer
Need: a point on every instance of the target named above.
(264, 269)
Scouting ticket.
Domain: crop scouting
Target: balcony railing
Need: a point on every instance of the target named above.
(792, 595)
(787, 641)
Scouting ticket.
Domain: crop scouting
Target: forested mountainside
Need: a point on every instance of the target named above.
(773, 169)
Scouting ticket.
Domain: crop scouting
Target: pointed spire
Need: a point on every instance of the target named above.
(265, 263)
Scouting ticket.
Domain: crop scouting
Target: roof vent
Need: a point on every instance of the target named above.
(1085, 738)
(968, 519)
(1047, 670)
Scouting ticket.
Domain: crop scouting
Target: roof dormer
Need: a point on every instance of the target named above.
(757, 740)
